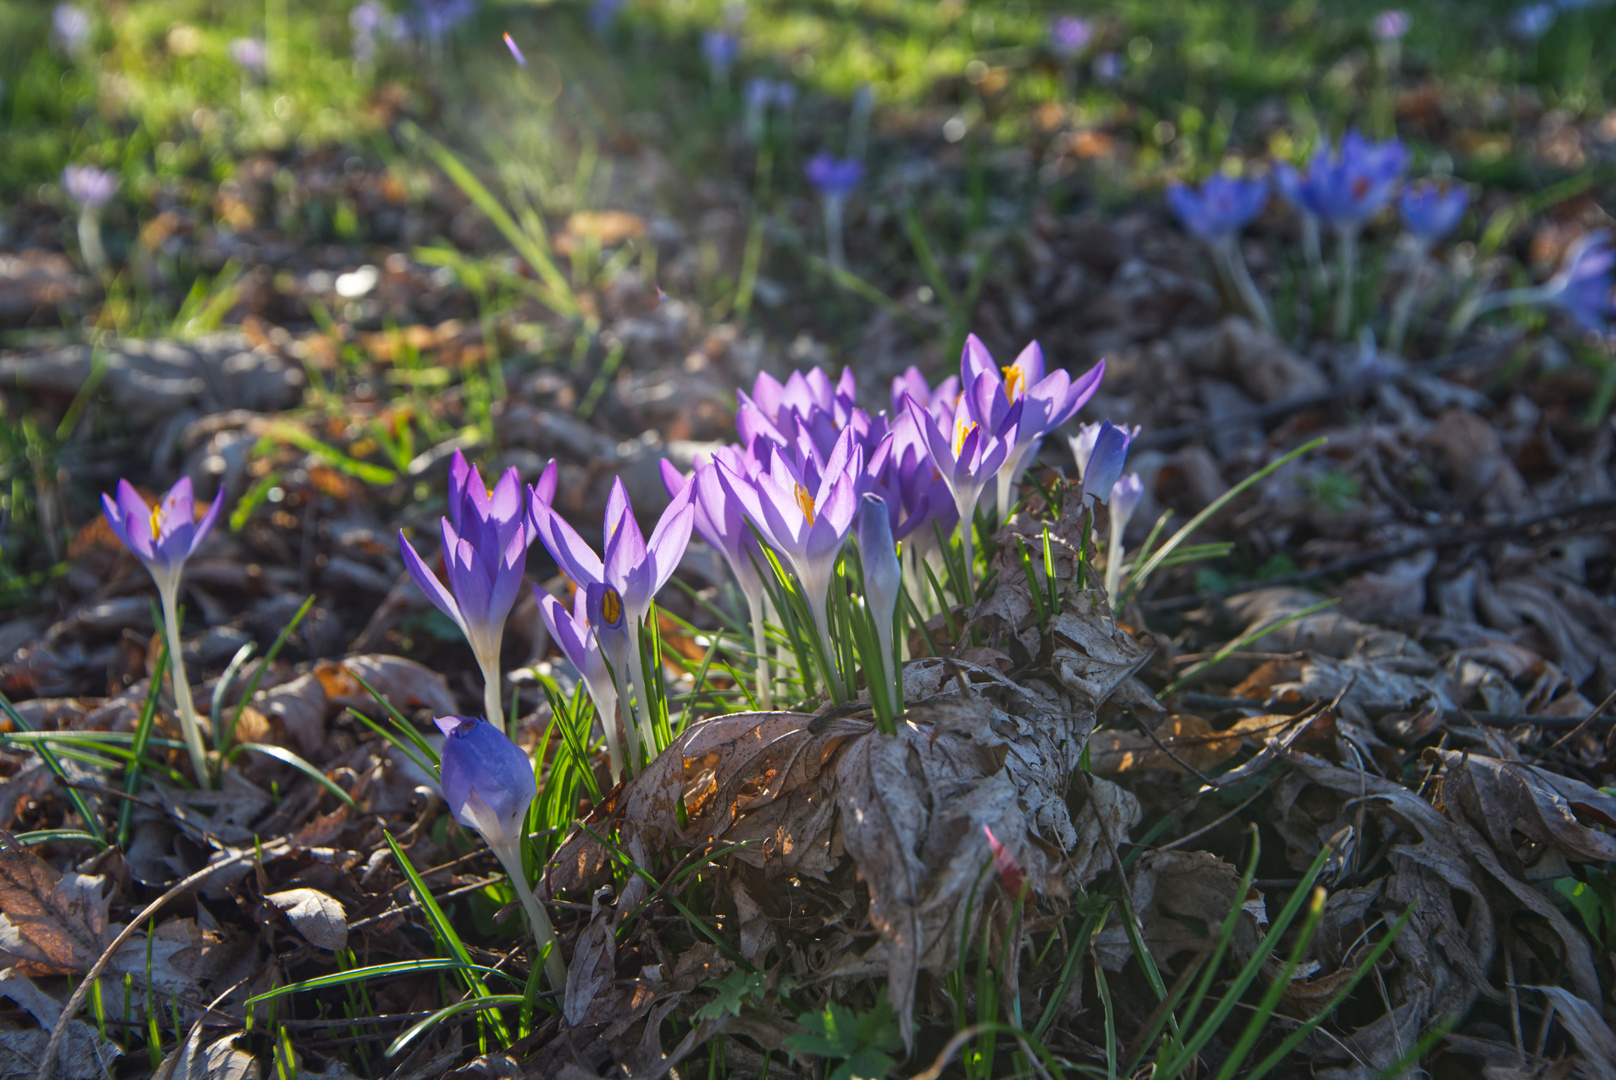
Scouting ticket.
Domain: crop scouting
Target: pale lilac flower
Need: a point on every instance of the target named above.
(1431, 213)
(71, 28)
(1069, 35)
(91, 188)
(573, 632)
(1390, 25)
(251, 55)
(1126, 494)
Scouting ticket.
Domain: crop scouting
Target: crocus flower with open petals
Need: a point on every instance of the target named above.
(488, 785)
(804, 515)
(966, 456)
(1046, 401)
(572, 631)
(163, 539)
(1070, 35)
(1344, 188)
(630, 575)
(1429, 212)
(718, 521)
(1125, 496)
(485, 542)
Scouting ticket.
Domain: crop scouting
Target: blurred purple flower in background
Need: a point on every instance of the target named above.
(833, 176)
(1582, 288)
(1108, 68)
(516, 51)
(71, 28)
(250, 54)
(603, 14)
(1070, 35)
(718, 48)
(1220, 207)
(1390, 25)
(89, 187)
(1431, 213)
(1346, 187)
(1533, 20)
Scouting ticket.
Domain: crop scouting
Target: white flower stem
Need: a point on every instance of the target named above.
(614, 748)
(95, 256)
(1314, 251)
(1481, 303)
(835, 253)
(492, 705)
(555, 969)
(642, 711)
(189, 724)
(1232, 262)
(760, 645)
(1347, 247)
(817, 608)
(1403, 307)
(1113, 559)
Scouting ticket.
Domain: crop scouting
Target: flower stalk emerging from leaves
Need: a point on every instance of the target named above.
(1584, 288)
(163, 539)
(90, 189)
(1216, 212)
(1430, 214)
(485, 542)
(623, 583)
(488, 785)
(1125, 496)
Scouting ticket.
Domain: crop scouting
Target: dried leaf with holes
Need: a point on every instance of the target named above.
(318, 917)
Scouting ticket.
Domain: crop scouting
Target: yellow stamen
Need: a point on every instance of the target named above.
(1013, 378)
(156, 522)
(611, 606)
(964, 432)
(805, 503)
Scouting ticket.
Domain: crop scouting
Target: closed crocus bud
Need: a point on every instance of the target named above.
(1104, 466)
(1125, 496)
(488, 783)
(883, 577)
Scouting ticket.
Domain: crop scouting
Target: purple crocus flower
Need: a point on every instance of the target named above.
(1024, 399)
(1345, 188)
(485, 542)
(1390, 25)
(573, 633)
(91, 188)
(718, 48)
(630, 575)
(968, 454)
(163, 539)
(603, 13)
(1431, 213)
(510, 43)
(1583, 287)
(250, 54)
(70, 28)
(1219, 208)
(804, 514)
(1108, 68)
(1533, 21)
(883, 578)
(1069, 35)
(718, 521)
(1103, 453)
(488, 785)
(833, 176)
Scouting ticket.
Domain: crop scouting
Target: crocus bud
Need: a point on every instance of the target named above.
(1125, 496)
(1104, 465)
(883, 577)
(488, 783)
(487, 779)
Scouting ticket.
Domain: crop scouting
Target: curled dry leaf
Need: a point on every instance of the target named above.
(1589, 1029)
(218, 1061)
(318, 917)
(1506, 798)
(1181, 896)
(802, 793)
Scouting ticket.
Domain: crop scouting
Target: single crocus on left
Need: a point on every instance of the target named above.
(163, 538)
(90, 189)
(488, 784)
(485, 542)
(834, 178)
(1216, 212)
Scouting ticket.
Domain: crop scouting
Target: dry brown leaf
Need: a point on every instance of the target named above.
(1191, 739)
(1503, 798)
(83, 1054)
(1180, 897)
(405, 683)
(1589, 1030)
(318, 917)
(50, 923)
(219, 1061)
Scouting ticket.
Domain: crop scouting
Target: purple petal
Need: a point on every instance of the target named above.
(447, 724)
(544, 491)
(459, 470)
(670, 539)
(976, 361)
(428, 582)
(470, 581)
(137, 521)
(570, 551)
(208, 520)
(1031, 365)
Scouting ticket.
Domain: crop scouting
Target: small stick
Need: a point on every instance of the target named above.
(48, 1059)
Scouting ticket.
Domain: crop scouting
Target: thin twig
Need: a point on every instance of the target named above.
(48, 1059)
(1578, 730)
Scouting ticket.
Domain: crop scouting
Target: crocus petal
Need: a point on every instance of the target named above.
(570, 551)
(428, 582)
(470, 582)
(544, 490)
(207, 522)
(976, 361)
(1031, 364)
(671, 537)
(137, 521)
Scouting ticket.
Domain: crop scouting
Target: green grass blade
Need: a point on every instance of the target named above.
(375, 971)
(74, 796)
(1241, 642)
(420, 1027)
(287, 757)
(258, 676)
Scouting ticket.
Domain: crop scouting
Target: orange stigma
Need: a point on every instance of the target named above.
(805, 503)
(964, 432)
(1013, 380)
